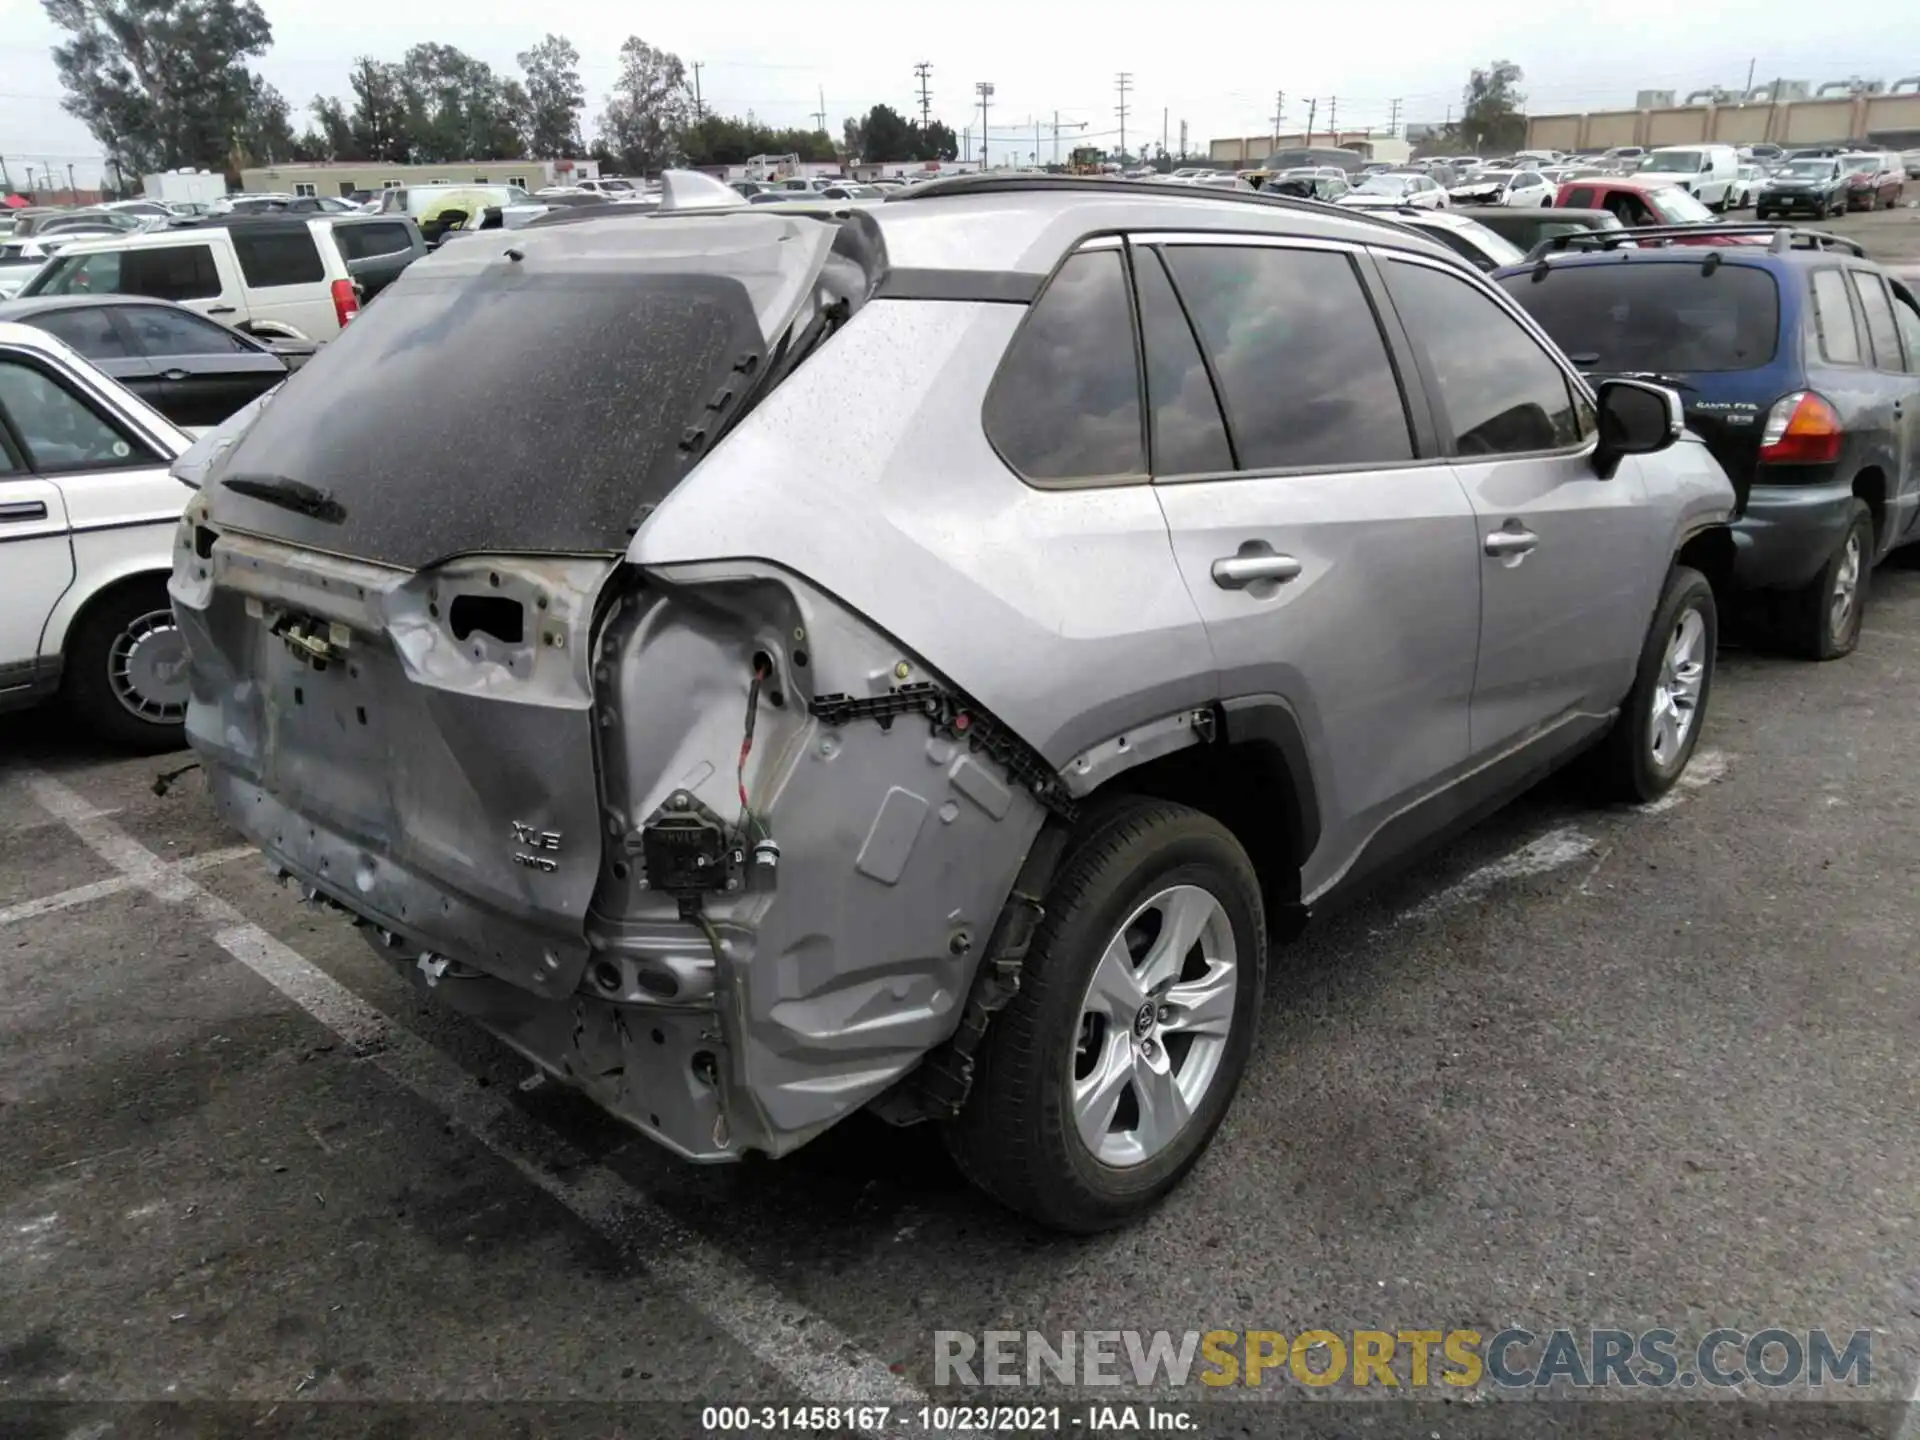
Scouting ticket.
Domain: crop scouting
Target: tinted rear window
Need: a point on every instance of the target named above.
(361, 241)
(445, 420)
(278, 256)
(1656, 316)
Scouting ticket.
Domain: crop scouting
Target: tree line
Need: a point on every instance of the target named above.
(163, 84)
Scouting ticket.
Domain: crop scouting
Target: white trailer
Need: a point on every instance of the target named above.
(184, 187)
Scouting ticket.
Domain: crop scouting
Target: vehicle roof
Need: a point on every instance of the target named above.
(40, 304)
(1538, 212)
(1622, 182)
(1025, 223)
(1754, 255)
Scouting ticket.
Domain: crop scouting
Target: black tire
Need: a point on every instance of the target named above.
(1627, 766)
(96, 647)
(1808, 625)
(1763, 214)
(1016, 1137)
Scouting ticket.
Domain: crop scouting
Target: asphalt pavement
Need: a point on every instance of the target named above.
(1634, 1067)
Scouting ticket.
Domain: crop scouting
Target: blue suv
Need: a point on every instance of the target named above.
(1797, 360)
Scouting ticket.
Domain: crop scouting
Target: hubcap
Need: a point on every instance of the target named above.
(1153, 1026)
(1846, 587)
(1676, 698)
(147, 668)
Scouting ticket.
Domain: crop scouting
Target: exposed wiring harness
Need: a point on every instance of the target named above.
(747, 817)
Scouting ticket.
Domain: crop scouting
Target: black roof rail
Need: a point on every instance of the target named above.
(1781, 238)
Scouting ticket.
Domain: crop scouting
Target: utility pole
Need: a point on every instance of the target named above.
(1125, 83)
(1058, 126)
(1749, 86)
(1183, 139)
(1279, 115)
(923, 70)
(966, 142)
(1393, 121)
(1313, 104)
(699, 112)
(6, 176)
(820, 115)
(1333, 119)
(985, 90)
(73, 190)
(29, 182)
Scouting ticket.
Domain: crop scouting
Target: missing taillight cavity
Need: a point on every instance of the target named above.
(505, 620)
(203, 538)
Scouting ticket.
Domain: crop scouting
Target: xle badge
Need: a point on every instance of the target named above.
(527, 839)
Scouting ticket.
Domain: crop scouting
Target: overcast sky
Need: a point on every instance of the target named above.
(1186, 63)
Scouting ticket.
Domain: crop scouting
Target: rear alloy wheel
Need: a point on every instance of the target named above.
(125, 671)
(1102, 1082)
(1660, 720)
(1822, 620)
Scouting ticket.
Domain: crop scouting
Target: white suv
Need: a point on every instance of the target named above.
(275, 276)
(87, 521)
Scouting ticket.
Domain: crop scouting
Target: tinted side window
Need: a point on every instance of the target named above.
(88, 331)
(1189, 436)
(360, 242)
(61, 431)
(1065, 404)
(1908, 320)
(1833, 313)
(1881, 329)
(1580, 198)
(170, 272)
(1501, 393)
(1303, 369)
(177, 332)
(278, 257)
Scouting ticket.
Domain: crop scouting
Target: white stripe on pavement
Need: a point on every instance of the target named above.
(819, 1361)
(115, 884)
(1551, 851)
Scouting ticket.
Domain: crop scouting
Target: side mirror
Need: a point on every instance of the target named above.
(1635, 419)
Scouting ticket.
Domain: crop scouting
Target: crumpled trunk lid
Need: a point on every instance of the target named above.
(416, 746)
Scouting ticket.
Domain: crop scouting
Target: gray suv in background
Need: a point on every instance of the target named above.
(1169, 562)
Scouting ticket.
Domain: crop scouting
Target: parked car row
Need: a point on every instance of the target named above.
(1231, 432)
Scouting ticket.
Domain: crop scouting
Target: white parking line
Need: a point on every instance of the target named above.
(1550, 852)
(818, 1360)
(115, 884)
(1708, 767)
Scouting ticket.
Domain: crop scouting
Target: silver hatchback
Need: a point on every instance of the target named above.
(973, 628)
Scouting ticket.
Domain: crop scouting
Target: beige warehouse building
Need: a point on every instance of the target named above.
(344, 177)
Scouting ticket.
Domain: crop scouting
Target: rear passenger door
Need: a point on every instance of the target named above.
(1329, 549)
(1898, 395)
(205, 370)
(1568, 572)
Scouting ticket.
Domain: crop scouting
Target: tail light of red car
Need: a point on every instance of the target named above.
(1801, 429)
(346, 301)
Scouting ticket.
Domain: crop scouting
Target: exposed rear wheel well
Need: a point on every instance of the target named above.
(1248, 788)
(1871, 486)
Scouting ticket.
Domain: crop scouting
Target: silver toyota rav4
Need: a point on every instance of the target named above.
(765, 663)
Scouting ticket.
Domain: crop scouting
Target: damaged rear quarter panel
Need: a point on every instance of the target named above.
(897, 845)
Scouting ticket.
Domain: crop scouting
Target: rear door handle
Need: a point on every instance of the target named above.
(1236, 572)
(220, 310)
(16, 511)
(173, 374)
(1511, 542)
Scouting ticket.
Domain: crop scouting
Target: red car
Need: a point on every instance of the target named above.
(1874, 179)
(1636, 202)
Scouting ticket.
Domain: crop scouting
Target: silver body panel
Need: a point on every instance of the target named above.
(854, 534)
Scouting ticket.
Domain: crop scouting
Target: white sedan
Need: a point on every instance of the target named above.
(87, 520)
(1519, 188)
(1397, 187)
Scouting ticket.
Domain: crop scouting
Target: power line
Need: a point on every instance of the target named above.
(925, 69)
(1125, 84)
